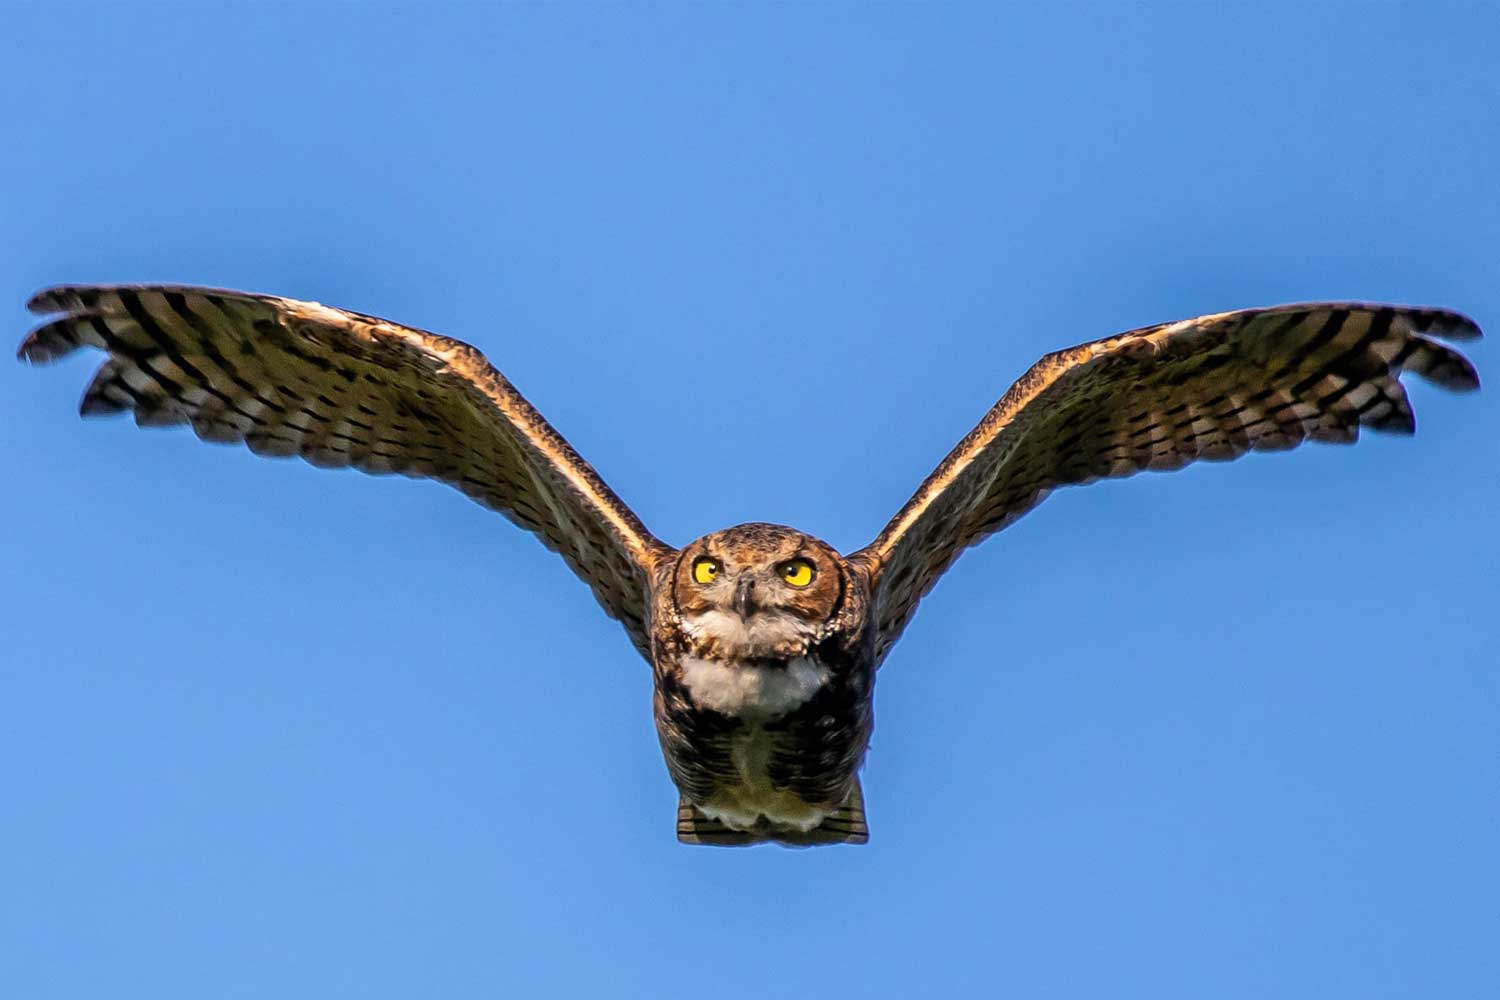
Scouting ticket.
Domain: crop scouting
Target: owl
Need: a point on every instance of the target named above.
(763, 641)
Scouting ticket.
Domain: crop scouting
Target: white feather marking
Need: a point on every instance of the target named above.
(752, 691)
(755, 639)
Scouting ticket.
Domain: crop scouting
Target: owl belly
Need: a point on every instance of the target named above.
(754, 800)
(765, 754)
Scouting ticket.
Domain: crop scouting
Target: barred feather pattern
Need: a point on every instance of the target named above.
(339, 388)
(1211, 388)
(845, 825)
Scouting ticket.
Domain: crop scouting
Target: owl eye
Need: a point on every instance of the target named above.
(705, 569)
(797, 573)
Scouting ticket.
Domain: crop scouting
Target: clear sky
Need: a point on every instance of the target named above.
(272, 731)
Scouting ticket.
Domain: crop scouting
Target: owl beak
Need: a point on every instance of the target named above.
(744, 591)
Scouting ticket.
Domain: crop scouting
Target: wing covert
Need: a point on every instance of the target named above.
(1210, 388)
(339, 388)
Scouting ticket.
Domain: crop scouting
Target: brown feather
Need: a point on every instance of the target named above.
(1211, 388)
(343, 389)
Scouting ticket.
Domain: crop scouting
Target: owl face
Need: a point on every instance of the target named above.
(757, 591)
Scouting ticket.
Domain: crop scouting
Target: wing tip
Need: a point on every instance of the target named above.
(1447, 324)
(41, 347)
(59, 298)
(41, 302)
(1431, 321)
(1440, 364)
(94, 405)
(33, 348)
(1458, 374)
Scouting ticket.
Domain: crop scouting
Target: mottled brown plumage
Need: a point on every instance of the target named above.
(343, 389)
(1159, 397)
(763, 641)
(763, 689)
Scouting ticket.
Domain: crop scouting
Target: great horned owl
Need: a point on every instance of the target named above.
(763, 641)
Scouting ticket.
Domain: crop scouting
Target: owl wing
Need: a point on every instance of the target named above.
(342, 389)
(1210, 388)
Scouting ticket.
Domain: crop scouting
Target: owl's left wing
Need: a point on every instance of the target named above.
(1209, 388)
(339, 388)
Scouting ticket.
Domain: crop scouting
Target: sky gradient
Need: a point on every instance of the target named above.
(267, 730)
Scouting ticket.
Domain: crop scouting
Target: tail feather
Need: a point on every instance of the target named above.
(845, 825)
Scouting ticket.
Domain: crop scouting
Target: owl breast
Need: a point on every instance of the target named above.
(761, 702)
(757, 742)
(752, 691)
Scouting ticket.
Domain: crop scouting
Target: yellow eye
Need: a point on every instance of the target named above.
(705, 569)
(798, 572)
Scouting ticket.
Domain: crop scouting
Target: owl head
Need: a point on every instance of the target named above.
(758, 591)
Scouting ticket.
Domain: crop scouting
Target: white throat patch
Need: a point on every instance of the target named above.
(754, 639)
(752, 691)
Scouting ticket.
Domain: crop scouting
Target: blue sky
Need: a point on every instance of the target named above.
(273, 731)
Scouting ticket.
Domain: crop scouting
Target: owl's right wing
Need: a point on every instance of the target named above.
(1210, 388)
(343, 389)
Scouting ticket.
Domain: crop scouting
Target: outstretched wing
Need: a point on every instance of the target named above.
(342, 389)
(1160, 397)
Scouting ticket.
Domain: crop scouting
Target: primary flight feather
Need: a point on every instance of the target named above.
(763, 641)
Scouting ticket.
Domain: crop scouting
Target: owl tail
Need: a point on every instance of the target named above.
(846, 825)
